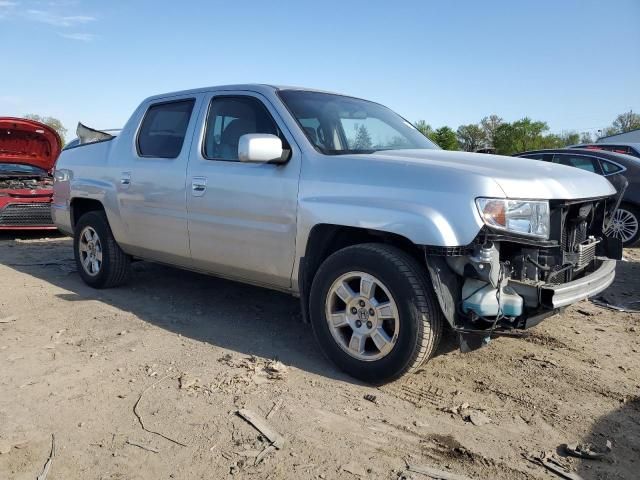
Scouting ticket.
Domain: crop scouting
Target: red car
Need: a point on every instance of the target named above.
(28, 152)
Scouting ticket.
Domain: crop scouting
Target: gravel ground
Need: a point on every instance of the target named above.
(180, 353)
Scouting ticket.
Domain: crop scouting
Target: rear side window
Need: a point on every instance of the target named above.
(163, 129)
(609, 168)
(583, 163)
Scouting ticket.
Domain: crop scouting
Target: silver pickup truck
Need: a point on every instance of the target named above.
(387, 239)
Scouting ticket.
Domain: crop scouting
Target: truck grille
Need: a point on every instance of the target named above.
(26, 215)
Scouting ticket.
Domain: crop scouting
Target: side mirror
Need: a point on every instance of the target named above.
(260, 148)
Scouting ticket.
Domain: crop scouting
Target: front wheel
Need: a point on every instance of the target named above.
(99, 259)
(374, 312)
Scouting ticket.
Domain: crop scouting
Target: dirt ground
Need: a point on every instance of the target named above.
(188, 351)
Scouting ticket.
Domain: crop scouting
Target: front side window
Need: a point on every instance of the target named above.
(231, 117)
(336, 124)
(163, 129)
(578, 161)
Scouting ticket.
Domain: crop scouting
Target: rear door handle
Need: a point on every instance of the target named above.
(125, 179)
(198, 186)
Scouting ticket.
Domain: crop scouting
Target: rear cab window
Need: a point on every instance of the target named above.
(163, 129)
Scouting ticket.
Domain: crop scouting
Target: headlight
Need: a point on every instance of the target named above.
(523, 217)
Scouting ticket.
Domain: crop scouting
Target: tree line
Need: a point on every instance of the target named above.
(509, 138)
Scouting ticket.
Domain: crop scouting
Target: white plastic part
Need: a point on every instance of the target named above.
(480, 297)
(259, 148)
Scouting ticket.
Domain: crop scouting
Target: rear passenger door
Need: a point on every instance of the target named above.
(151, 192)
(242, 216)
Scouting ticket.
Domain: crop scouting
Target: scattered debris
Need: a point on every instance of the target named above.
(135, 412)
(276, 406)
(545, 361)
(586, 313)
(47, 465)
(478, 418)
(187, 381)
(371, 398)
(263, 427)
(435, 473)
(354, 469)
(586, 450)
(264, 453)
(275, 370)
(604, 303)
(550, 463)
(5, 447)
(263, 369)
(143, 447)
(20, 445)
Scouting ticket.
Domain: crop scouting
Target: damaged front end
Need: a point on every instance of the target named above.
(504, 283)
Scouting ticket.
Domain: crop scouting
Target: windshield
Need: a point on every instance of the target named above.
(19, 169)
(336, 125)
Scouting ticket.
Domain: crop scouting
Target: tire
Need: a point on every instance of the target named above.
(628, 227)
(414, 331)
(114, 266)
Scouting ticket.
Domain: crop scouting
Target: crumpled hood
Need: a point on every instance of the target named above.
(517, 177)
(28, 142)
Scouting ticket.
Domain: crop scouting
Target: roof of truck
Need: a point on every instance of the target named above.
(256, 87)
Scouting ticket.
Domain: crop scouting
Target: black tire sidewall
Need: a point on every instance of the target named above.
(411, 323)
(97, 221)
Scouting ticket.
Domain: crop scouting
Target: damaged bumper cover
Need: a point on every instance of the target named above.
(562, 295)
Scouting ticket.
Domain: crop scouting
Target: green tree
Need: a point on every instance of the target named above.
(627, 121)
(425, 129)
(585, 137)
(446, 138)
(471, 137)
(363, 139)
(51, 121)
(489, 125)
(520, 136)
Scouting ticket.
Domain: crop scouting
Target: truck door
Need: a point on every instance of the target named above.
(242, 216)
(151, 191)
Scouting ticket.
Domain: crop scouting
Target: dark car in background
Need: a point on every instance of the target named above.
(626, 220)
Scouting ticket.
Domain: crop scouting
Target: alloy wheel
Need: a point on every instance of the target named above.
(624, 225)
(362, 315)
(90, 248)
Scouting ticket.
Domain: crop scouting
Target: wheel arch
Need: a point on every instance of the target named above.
(325, 239)
(80, 206)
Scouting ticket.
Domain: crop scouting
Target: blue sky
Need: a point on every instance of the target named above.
(572, 63)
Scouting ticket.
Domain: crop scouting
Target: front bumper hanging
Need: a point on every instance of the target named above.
(557, 296)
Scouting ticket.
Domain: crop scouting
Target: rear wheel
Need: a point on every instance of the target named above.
(625, 225)
(374, 312)
(99, 259)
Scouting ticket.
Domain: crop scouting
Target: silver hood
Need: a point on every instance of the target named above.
(517, 177)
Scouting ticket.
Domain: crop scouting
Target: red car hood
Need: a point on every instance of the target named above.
(28, 142)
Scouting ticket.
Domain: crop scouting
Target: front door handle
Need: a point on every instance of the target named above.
(125, 179)
(198, 186)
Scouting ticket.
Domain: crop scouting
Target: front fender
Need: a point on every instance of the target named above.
(458, 225)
